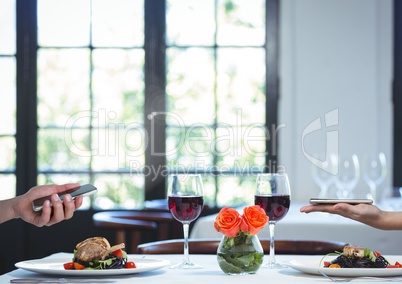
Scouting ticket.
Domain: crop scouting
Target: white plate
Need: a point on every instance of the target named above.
(312, 266)
(54, 266)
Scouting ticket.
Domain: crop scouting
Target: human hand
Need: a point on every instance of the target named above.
(52, 212)
(365, 213)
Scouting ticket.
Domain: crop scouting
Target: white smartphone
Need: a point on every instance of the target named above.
(334, 201)
(86, 189)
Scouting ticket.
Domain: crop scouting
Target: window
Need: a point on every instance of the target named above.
(131, 89)
(7, 99)
(216, 94)
(91, 96)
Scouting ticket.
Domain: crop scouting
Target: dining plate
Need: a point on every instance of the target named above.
(314, 265)
(54, 266)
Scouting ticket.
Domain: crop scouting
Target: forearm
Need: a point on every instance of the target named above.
(386, 221)
(6, 210)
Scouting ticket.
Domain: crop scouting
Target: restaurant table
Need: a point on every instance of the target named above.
(318, 226)
(211, 273)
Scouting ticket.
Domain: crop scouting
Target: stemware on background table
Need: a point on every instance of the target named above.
(374, 172)
(185, 199)
(348, 176)
(324, 173)
(273, 195)
(345, 171)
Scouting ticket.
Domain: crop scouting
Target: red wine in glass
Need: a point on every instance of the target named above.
(185, 200)
(185, 208)
(273, 195)
(276, 206)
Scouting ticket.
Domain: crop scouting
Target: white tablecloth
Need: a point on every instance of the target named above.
(317, 226)
(211, 273)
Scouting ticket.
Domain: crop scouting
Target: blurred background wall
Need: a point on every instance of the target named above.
(335, 55)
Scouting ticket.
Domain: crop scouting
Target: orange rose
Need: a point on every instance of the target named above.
(228, 222)
(254, 219)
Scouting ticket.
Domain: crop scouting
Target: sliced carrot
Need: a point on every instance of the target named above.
(334, 265)
(78, 266)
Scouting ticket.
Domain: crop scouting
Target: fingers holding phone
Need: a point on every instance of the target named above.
(67, 202)
(72, 193)
(61, 209)
(32, 207)
(69, 205)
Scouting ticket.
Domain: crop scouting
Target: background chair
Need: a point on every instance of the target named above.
(153, 223)
(210, 246)
(135, 225)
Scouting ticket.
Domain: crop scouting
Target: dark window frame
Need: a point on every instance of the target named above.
(26, 135)
(397, 96)
(155, 82)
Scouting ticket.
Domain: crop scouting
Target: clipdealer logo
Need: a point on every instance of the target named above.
(331, 120)
(111, 140)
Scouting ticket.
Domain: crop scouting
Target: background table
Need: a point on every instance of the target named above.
(317, 226)
(211, 273)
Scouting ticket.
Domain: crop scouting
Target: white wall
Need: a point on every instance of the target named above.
(335, 54)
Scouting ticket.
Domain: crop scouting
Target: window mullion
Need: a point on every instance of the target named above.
(272, 82)
(26, 168)
(154, 108)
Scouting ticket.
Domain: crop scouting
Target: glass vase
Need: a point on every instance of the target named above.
(242, 254)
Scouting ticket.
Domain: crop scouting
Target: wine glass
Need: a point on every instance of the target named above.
(273, 195)
(348, 176)
(185, 199)
(375, 170)
(324, 173)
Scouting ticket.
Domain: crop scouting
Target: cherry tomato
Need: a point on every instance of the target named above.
(130, 264)
(326, 263)
(69, 265)
(376, 253)
(118, 253)
(78, 266)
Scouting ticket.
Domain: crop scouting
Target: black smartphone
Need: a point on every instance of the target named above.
(334, 201)
(86, 189)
